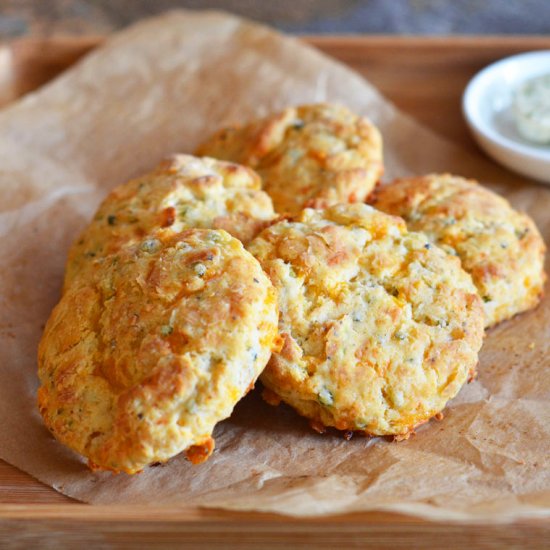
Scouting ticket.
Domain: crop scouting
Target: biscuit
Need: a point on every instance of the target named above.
(308, 156)
(139, 361)
(182, 192)
(380, 328)
(501, 249)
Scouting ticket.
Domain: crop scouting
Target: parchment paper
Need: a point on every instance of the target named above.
(160, 87)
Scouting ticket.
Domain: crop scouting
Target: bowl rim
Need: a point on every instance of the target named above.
(476, 123)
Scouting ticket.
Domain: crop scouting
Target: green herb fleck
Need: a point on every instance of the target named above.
(521, 234)
(200, 269)
(325, 397)
(150, 245)
(166, 330)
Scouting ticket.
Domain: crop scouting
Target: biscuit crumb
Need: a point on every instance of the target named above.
(197, 454)
(271, 398)
(403, 437)
(317, 426)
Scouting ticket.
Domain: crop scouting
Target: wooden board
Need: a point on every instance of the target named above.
(424, 77)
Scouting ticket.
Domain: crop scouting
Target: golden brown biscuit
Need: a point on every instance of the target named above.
(182, 192)
(380, 328)
(139, 362)
(500, 248)
(312, 155)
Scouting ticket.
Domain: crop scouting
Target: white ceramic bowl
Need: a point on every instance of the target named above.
(487, 107)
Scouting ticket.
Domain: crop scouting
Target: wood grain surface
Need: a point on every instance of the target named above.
(424, 77)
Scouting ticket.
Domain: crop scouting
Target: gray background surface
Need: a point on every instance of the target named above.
(422, 17)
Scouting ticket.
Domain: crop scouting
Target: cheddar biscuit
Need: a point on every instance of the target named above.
(139, 361)
(182, 192)
(312, 155)
(500, 248)
(380, 329)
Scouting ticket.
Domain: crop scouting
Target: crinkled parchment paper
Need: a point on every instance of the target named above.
(160, 87)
